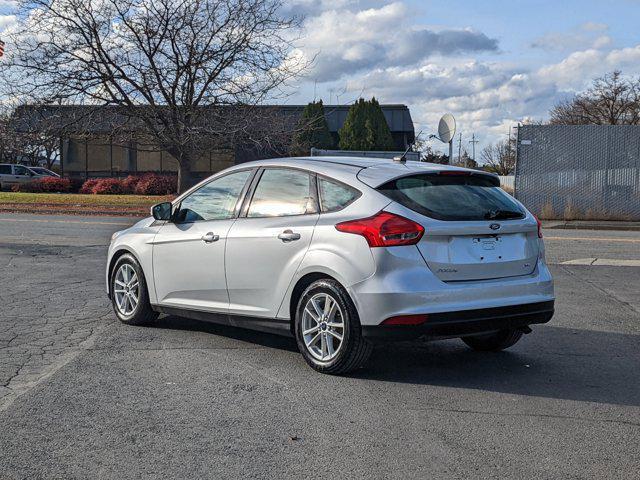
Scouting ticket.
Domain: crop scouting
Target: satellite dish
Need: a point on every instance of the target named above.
(446, 128)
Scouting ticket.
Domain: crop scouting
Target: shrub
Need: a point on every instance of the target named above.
(547, 212)
(153, 184)
(129, 184)
(571, 212)
(108, 186)
(87, 187)
(44, 185)
(147, 184)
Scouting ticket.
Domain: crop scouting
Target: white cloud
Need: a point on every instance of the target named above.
(6, 21)
(587, 35)
(345, 41)
(594, 26)
(489, 97)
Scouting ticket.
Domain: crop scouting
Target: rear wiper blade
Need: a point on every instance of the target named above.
(502, 214)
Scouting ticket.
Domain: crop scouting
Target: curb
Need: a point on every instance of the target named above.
(583, 225)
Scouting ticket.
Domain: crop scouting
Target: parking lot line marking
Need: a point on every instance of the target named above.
(90, 222)
(597, 239)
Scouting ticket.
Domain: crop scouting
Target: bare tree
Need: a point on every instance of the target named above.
(427, 153)
(166, 65)
(499, 158)
(611, 100)
(9, 147)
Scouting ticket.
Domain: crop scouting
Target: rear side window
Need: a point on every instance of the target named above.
(282, 192)
(453, 197)
(334, 195)
(5, 169)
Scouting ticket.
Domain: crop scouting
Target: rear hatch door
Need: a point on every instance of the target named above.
(479, 251)
(473, 229)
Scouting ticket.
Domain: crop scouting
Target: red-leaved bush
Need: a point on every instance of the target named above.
(129, 183)
(108, 186)
(147, 184)
(87, 187)
(44, 185)
(152, 184)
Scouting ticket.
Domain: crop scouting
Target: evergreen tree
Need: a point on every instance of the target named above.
(313, 130)
(383, 138)
(365, 128)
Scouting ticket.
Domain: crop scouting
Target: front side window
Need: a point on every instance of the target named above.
(335, 196)
(282, 192)
(453, 197)
(214, 201)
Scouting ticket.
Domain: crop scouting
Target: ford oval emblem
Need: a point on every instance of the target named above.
(494, 226)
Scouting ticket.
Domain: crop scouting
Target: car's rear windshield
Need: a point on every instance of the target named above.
(453, 196)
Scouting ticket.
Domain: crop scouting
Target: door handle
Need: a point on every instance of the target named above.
(209, 237)
(289, 236)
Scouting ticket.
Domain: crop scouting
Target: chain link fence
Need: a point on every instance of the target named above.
(575, 172)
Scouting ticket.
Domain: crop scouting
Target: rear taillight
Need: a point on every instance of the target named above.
(409, 320)
(384, 230)
(539, 226)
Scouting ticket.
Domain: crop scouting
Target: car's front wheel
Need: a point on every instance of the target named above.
(129, 295)
(493, 342)
(327, 329)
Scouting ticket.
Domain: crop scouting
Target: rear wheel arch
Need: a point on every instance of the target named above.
(298, 290)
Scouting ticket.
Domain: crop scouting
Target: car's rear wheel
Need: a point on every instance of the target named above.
(493, 342)
(129, 295)
(327, 329)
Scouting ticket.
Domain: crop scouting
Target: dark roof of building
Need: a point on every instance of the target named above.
(97, 119)
(397, 115)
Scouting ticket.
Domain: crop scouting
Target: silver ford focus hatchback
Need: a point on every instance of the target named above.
(341, 253)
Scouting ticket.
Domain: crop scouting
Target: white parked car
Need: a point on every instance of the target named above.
(340, 253)
(13, 174)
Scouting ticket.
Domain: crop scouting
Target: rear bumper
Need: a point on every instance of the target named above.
(404, 285)
(465, 322)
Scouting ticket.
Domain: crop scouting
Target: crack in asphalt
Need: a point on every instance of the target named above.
(602, 290)
(527, 414)
(43, 324)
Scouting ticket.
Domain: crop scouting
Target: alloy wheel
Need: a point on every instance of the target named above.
(323, 327)
(126, 289)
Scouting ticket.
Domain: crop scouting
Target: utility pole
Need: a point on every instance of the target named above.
(459, 147)
(473, 142)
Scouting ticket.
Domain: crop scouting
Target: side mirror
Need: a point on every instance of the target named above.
(162, 211)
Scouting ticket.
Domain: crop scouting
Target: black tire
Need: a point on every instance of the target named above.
(493, 342)
(354, 351)
(142, 314)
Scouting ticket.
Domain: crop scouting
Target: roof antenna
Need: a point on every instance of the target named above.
(403, 158)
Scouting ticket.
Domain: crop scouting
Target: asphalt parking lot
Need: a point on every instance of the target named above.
(82, 396)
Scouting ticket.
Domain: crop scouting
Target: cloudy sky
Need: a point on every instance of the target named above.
(491, 63)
